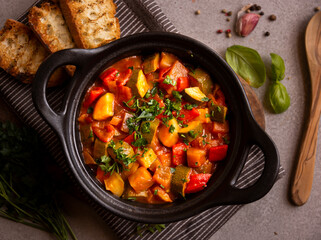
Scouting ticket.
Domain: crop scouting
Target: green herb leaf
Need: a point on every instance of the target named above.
(247, 63)
(169, 81)
(145, 127)
(278, 67)
(156, 191)
(177, 95)
(279, 97)
(132, 68)
(173, 170)
(27, 192)
(205, 99)
(171, 129)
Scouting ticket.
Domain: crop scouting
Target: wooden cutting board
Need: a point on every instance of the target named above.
(255, 103)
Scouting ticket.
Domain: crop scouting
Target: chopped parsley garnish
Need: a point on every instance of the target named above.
(184, 180)
(139, 141)
(150, 228)
(173, 170)
(171, 129)
(189, 106)
(132, 68)
(192, 134)
(145, 127)
(207, 115)
(205, 99)
(177, 95)
(161, 186)
(169, 81)
(156, 191)
(108, 165)
(120, 155)
(219, 109)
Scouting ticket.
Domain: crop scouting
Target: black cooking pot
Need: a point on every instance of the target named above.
(244, 130)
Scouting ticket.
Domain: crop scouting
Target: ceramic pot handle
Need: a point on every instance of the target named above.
(232, 195)
(46, 69)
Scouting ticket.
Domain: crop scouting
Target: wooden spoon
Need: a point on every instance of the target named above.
(302, 182)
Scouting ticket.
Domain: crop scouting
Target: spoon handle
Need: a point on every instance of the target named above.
(303, 178)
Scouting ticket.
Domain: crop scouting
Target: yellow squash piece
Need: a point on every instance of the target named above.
(147, 158)
(204, 116)
(104, 107)
(138, 83)
(115, 184)
(192, 131)
(141, 180)
(167, 60)
(168, 138)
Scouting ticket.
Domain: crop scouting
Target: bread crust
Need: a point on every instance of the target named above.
(49, 25)
(91, 23)
(21, 53)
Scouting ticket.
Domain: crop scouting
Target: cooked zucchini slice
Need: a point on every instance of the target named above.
(192, 131)
(124, 151)
(86, 133)
(218, 112)
(149, 129)
(100, 149)
(203, 80)
(194, 95)
(179, 179)
(138, 83)
(151, 63)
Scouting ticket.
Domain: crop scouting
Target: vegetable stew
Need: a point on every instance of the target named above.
(153, 128)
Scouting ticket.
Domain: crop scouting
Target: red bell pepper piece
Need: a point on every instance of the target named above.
(189, 115)
(217, 153)
(101, 175)
(104, 134)
(219, 97)
(124, 94)
(197, 182)
(94, 93)
(109, 75)
(124, 77)
(182, 83)
(163, 72)
(130, 139)
(179, 154)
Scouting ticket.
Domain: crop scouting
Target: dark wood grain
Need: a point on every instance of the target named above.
(256, 105)
(303, 178)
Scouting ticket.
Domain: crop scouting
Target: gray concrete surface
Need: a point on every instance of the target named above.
(272, 217)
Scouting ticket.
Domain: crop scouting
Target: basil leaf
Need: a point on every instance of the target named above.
(279, 97)
(247, 63)
(278, 68)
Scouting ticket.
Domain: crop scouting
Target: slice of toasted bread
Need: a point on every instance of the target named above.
(50, 26)
(92, 23)
(48, 22)
(21, 53)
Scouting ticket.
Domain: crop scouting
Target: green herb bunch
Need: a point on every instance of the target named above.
(27, 194)
(247, 63)
(278, 95)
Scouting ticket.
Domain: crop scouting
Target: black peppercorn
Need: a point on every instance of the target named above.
(261, 13)
(252, 8)
(272, 17)
(258, 8)
(267, 34)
